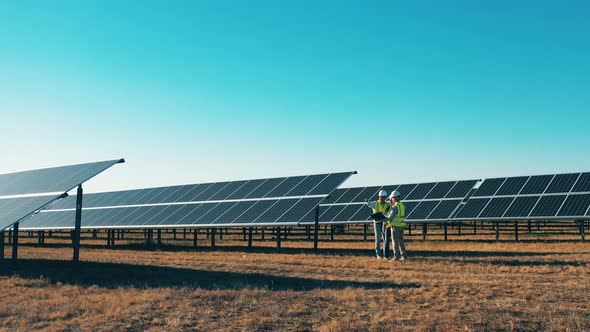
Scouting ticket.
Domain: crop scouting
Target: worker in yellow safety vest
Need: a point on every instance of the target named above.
(396, 222)
(383, 206)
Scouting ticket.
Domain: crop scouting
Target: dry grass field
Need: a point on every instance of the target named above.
(459, 285)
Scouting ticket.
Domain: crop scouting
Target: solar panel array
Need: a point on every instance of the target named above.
(45, 186)
(425, 202)
(284, 201)
(558, 196)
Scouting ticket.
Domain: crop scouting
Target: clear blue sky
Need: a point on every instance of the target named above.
(197, 91)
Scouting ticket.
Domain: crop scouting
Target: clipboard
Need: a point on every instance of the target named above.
(378, 216)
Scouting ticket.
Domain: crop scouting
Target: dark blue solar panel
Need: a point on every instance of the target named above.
(496, 208)
(583, 183)
(420, 191)
(276, 210)
(461, 189)
(406, 189)
(422, 211)
(307, 185)
(444, 210)
(512, 186)
(575, 205)
(536, 184)
(441, 189)
(522, 206)
(265, 188)
(350, 195)
(548, 206)
(302, 211)
(329, 183)
(489, 187)
(472, 208)
(562, 183)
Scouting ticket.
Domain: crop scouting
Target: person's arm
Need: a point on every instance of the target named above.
(392, 213)
(371, 204)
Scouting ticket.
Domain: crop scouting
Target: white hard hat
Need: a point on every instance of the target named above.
(395, 193)
(382, 193)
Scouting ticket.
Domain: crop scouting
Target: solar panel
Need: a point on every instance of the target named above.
(536, 184)
(496, 207)
(50, 180)
(422, 211)
(441, 189)
(512, 186)
(575, 205)
(583, 184)
(461, 189)
(562, 183)
(472, 208)
(548, 206)
(55, 179)
(522, 206)
(420, 191)
(444, 210)
(489, 187)
(350, 195)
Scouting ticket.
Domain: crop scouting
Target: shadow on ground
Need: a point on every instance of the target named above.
(111, 275)
(293, 251)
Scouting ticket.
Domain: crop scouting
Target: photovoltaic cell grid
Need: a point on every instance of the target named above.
(224, 204)
(56, 180)
(559, 196)
(425, 202)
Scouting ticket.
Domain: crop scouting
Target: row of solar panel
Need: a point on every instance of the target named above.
(431, 210)
(417, 191)
(321, 184)
(242, 213)
(547, 206)
(57, 179)
(539, 184)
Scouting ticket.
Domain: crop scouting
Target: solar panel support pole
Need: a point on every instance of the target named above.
(528, 226)
(316, 227)
(159, 237)
(516, 230)
(250, 237)
(409, 229)
(365, 226)
(213, 231)
(474, 227)
(14, 243)
(583, 230)
(497, 228)
(446, 237)
(78, 224)
(1, 245)
(331, 232)
(424, 230)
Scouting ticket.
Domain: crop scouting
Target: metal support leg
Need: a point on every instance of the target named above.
(15, 243)
(316, 228)
(250, 237)
(159, 237)
(331, 232)
(516, 230)
(221, 234)
(77, 225)
(459, 227)
(474, 227)
(409, 229)
(583, 231)
(496, 226)
(184, 233)
(262, 232)
(365, 227)
(528, 227)
(446, 237)
(112, 238)
(213, 231)
(424, 230)
(174, 234)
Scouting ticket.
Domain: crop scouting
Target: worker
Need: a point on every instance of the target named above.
(396, 222)
(381, 205)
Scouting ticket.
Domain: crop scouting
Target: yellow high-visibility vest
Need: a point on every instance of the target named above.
(399, 218)
(383, 208)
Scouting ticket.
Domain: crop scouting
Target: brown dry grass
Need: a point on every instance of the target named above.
(445, 286)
